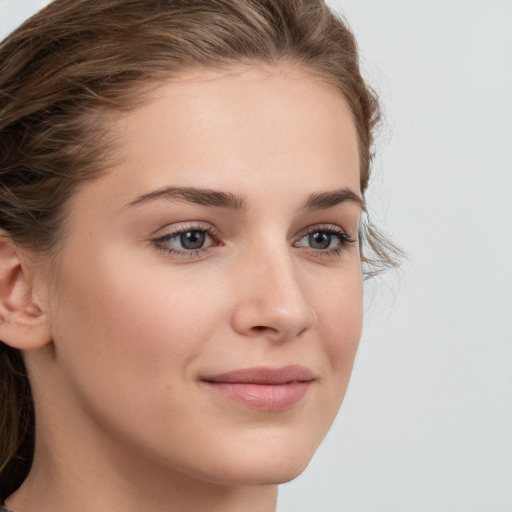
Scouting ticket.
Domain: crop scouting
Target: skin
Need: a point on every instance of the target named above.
(124, 421)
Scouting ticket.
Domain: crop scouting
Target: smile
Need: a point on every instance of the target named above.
(263, 388)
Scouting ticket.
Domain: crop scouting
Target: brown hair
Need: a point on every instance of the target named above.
(77, 59)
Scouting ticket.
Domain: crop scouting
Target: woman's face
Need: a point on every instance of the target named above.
(207, 308)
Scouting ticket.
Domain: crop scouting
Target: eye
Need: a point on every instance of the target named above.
(329, 240)
(189, 240)
(319, 240)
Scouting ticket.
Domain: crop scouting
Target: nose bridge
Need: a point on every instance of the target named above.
(273, 299)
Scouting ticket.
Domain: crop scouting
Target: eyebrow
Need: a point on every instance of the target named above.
(230, 201)
(324, 200)
(204, 197)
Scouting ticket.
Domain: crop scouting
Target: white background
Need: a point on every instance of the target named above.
(427, 423)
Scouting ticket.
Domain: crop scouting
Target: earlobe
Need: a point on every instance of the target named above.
(23, 324)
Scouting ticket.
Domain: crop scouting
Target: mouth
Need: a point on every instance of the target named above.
(263, 388)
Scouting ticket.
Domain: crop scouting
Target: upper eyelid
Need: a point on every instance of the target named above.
(171, 230)
(333, 228)
(323, 227)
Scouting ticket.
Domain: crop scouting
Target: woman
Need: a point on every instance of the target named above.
(182, 184)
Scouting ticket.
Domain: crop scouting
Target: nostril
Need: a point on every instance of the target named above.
(261, 328)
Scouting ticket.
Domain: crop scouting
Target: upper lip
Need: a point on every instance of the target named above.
(263, 375)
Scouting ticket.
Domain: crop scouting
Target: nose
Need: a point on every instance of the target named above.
(272, 300)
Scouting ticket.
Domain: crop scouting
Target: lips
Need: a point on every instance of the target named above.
(270, 389)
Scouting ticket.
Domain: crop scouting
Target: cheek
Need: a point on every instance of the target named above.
(341, 324)
(125, 326)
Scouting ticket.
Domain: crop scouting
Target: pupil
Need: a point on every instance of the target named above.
(192, 239)
(320, 240)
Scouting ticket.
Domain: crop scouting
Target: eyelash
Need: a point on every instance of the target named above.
(343, 238)
(162, 243)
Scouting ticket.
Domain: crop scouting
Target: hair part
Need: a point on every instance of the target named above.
(75, 62)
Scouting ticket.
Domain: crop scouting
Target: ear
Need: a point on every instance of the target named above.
(23, 324)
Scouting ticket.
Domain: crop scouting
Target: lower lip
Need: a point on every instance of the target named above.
(267, 397)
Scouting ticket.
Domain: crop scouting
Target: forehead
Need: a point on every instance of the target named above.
(239, 118)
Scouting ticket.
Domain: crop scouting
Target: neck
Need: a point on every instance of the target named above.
(65, 477)
(51, 491)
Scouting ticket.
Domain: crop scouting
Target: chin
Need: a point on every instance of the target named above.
(255, 474)
(287, 471)
(269, 460)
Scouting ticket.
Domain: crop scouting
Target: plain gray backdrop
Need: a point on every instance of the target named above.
(427, 422)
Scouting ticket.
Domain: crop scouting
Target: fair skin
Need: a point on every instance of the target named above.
(129, 335)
